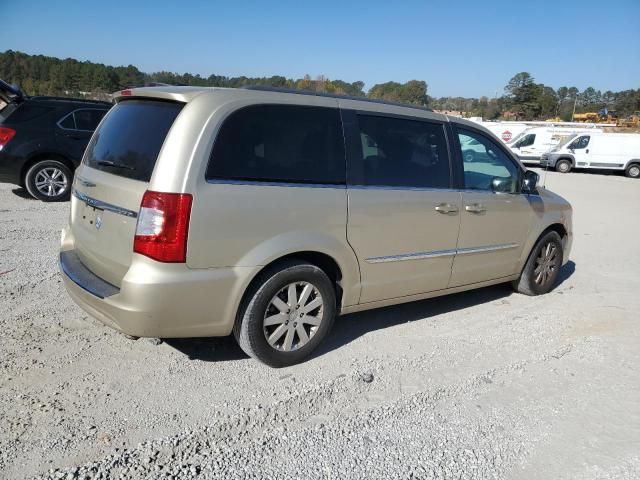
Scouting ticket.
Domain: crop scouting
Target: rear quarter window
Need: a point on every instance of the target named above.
(88, 119)
(129, 140)
(280, 143)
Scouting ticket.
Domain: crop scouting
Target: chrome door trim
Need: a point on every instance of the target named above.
(441, 253)
(100, 205)
(412, 256)
(270, 183)
(486, 248)
(409, 189)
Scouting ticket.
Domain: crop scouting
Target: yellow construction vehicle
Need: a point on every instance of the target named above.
(603, 116)
(589, 117)
(632, 121)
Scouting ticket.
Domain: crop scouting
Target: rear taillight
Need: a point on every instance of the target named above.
(163, 224)
(6, 134)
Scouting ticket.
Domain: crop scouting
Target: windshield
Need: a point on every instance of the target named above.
(563, 142)
(516, 138)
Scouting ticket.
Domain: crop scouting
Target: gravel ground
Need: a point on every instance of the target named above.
(483, 384)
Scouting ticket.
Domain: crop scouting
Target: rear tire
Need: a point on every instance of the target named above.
(286, 313)
(563, 166)
(633, 171)
(469, 156)
(49, 181)
(541, 271)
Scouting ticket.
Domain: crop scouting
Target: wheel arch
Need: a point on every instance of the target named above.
(44, 156)
(554, 227)
(323, 261)
(634, 161)
(557, 227)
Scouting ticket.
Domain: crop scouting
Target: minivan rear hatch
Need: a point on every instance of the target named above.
(117, 167)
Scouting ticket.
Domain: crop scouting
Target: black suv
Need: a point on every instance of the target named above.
(42, 140)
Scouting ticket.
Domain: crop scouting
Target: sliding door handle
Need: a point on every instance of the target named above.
(447, 209)
(476, 208)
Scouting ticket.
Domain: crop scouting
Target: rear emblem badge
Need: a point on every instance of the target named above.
(98, 221)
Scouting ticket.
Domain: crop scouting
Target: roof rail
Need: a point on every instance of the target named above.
(68, 99)
(266, 88)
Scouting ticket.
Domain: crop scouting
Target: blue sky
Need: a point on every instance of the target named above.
(463, 47)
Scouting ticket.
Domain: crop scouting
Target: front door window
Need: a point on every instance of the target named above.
(490, 169)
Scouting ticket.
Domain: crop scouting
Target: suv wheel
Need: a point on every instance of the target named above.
(541, 270)
(563, 166)
(633, 171)
(286, 314)
(49, 181)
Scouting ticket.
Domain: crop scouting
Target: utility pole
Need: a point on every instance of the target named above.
(574, 107)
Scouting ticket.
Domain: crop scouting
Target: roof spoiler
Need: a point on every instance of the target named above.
(10, 93)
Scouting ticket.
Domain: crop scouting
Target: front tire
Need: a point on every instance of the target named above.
(541, 271)
(286, 313)
(563, 166)
(633, 171)
(49, 181)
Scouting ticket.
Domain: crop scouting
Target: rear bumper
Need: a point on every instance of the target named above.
(159, 300)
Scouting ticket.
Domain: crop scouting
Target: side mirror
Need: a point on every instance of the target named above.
(530, 182)
(501, 184)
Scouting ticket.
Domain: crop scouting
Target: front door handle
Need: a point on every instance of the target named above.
(476, 208)
(447, 209)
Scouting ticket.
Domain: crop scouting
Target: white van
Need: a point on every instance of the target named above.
(533, 142)
(607, 151)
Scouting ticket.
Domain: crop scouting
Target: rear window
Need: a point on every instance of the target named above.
(280, 143)
(130, 138)
(25, 112)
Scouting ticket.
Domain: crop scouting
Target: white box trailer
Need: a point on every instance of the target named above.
(533, 142)
(598, 150)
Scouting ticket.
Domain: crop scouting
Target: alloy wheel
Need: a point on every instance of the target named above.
(546, 264)
(51, 181)
(293, 316)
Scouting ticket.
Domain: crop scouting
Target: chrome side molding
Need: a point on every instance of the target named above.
(412, 256)
(487, 248)
(441, 253)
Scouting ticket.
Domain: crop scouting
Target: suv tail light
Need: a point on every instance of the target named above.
(163, 224)
(6, 134)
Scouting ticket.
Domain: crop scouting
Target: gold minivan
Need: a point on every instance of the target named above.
(266, 213)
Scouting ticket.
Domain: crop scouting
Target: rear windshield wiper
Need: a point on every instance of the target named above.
(107, 163)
